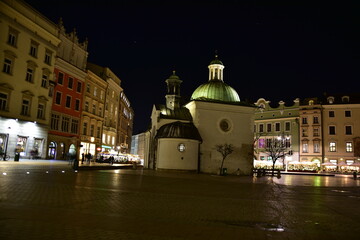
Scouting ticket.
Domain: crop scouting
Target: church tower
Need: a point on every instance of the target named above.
(173, 91)
(216, 70)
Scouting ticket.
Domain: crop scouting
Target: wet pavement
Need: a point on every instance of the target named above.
(49, 200)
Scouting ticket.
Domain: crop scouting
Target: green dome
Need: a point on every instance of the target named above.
(215, 90)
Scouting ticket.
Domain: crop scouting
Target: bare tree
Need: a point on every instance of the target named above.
(276, 149)
(225, 150)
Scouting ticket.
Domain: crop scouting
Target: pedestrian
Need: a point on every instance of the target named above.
(82, 158)
(355, 175)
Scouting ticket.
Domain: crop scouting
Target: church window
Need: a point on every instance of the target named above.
(224, 125)
(181, 147)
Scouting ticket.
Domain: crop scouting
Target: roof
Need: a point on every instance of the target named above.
(179, 130)
(215, 90)
(216, 61)
(181, 113)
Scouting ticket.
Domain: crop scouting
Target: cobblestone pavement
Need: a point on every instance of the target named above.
(49, 200)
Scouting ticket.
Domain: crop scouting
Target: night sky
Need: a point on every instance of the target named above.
(277, 50)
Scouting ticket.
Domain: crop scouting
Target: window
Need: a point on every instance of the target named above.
(332, 147)
(48, 56)
(268, 127)
(261, 143)
(277, 127)
(331, 114)
(224, 124)
(85, 128)
(316, 132)
(3, 101)
(268, 142)
(55, 121)
(304, 132)
(12, 37)
(349, 147)
(58, 98)
(25, 107)
(70, 82)
(7, 67)
(60, 78)
(68, 102)
(332, 130)
(288, 142)
(98, 132)
(95, 91)
(41, 111)
(29, 74)
(87, 106)
(94, 109)
(304, 120)
(305, 147)
(74, 126)
(65, 124)
(348, 130)
(347, 113)
(287, 126)
(34, 48)
(88, 88)
(79, 86)
(316, 120)
(77, 105)
(261, 128)
(181, 147)
(44, 80)
(92, 129)
(316, 147)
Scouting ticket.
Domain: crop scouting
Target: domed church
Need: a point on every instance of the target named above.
(184, 137)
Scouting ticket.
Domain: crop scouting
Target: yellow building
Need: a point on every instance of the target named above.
(28, 45)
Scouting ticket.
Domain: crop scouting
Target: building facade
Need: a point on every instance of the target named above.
(341, 131)
(125, 124)
(92, 114)
(70, 73)
(273, 123)
(28, 45)
(311, 131)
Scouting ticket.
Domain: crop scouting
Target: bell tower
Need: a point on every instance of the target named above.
(173, 91)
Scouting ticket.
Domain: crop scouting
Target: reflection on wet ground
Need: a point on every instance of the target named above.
(317, 181)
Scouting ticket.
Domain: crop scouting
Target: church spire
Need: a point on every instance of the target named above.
(173, 91)
(216, 69)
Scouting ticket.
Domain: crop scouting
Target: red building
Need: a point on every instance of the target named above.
(71, 59)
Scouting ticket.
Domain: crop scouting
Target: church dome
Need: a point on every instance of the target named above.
(215, 90)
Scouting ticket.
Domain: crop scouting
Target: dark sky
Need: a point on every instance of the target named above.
(277, 50)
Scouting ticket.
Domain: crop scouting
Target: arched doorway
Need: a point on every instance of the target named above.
(52, 150)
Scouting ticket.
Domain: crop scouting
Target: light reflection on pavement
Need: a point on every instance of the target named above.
(317, 181)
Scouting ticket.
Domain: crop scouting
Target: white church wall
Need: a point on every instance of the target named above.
(238, 130)
(169, 156)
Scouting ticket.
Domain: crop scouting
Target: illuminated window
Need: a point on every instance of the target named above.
(332, 147)
(349, 147)
(316, 147)
(181, 147)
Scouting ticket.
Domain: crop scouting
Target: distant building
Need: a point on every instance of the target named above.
(341, 129)
(70, 73)
(184, 137)
(274, 122)
(92, 114)
(311, 131)
(28, 45)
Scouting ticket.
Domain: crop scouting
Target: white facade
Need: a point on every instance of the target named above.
(171, 156)
(224, 123)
